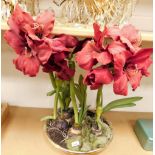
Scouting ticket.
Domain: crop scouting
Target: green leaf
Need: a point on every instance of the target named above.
(82, 113)
(81, 85)
(120, 103)
(58, 83)
(67, 101)
(52, 78)
(78, 94)
(119, 106)
(46, 118)
(65, 93)
(51, 93)
(80, 80)
(80, 91)
(99, 97)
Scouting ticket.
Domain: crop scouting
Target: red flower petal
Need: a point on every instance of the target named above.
(120, 55)
(14, 41)
(142, 60)
(44, 52)
(46, 19)
(102, 75)
(85, 57)
(132, 41)
(116, 47)
(141, 55)
(144, 69)
(21, 18)
(28, 65)
(104, 57)
(57, 46)
(134, 76)
(13, 26)
(31, 32)
(55, 63)
(126, 32)
(98, 35)
(58, 57)
(133, 48)
(95, 86)
(68, 41)
(65, 73)
(98, 77)
(112, 32)
(30, 43)
(119, 63)
(48, 47)
(51, 67)
(120, 85)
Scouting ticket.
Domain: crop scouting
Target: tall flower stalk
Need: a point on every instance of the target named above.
(51, 75)
(72, 94)
(53, 81)
(56, 104)
(57, 86)
(73, 99)
(99, 105)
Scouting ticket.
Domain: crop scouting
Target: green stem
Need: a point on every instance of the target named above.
(99, 102)
(99, 97)
(72, 94)
(56, 104)
(57, 95)
(67, 103)
(52, 80)
(61, 102)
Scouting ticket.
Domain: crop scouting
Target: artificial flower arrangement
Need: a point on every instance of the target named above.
(113, 56)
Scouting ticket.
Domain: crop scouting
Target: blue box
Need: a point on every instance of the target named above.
(144, 131)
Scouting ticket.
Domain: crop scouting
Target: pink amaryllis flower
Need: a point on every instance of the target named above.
(128, 35)
(55, 62)
(27, 37)
(58, 60)
(125, 42)
(58, 64)
(94, 52)
(120, 55)
(68, 40)
(134, 68)
(66, 73)
(28, 65)
(98, 77)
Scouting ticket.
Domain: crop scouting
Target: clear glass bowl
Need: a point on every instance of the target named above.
(77, 13)
(8, 6)
(102, 11)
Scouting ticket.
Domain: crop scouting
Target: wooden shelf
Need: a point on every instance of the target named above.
(22, 133)
(4, 111)
(81, 31)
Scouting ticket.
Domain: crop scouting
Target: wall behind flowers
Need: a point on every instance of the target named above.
(21, 90)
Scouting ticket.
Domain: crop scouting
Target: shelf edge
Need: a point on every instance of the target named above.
(83, 32)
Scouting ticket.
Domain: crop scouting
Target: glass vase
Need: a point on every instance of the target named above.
(8, 6)
(102, 11)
